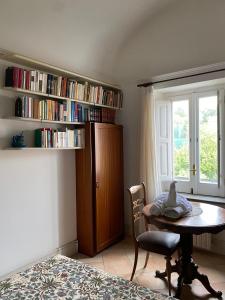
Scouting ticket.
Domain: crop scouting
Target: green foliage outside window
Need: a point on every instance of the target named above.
(207, 145)
(208, 158)
(181, 163)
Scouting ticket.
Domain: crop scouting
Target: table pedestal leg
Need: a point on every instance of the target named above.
(174, 269)
(189, 270)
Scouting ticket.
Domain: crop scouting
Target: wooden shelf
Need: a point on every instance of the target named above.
(40, 148)
(23, 91)
(35, 64)
(42, 121)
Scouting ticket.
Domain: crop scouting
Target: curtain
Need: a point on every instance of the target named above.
(149, 170)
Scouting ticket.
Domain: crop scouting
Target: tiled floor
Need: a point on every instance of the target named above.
(118, 260)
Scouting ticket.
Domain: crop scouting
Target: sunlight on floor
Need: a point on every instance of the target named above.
(118, 260)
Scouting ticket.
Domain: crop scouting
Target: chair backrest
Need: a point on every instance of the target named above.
(138, 201)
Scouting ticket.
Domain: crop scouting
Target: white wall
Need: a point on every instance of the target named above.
(130, 116)
(37, 204)
(37, 194)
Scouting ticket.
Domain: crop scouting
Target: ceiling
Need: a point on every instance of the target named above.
(116, 40)
(82, 35)
(188, 34)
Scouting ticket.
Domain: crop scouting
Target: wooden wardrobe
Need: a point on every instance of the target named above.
(99, 188)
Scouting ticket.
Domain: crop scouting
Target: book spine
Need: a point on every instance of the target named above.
(38, 139)
(32, 81)
(59, 83)
(15, 77)
(18, 107)
(9, 77)
(44, 86)
(48, 84)
(20, 79)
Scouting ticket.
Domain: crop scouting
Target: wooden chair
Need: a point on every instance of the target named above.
(160, 242)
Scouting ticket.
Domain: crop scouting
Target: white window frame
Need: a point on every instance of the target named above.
(201, 187)
(194, 185)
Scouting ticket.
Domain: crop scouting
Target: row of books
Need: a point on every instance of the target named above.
(52, 138)
(108, 115)
(47, 109)
(37, 81)
(64, 111)
(101, 115)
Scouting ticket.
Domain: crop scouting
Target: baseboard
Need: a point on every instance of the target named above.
(69, 249)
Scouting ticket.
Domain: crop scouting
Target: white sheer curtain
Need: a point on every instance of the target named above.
(149, 171)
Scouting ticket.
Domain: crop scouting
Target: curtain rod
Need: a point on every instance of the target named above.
(146, 84)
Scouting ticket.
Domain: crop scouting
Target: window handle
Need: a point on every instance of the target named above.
(193, 170)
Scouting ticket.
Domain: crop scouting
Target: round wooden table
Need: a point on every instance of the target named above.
(210, 219)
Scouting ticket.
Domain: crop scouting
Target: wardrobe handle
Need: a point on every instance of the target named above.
(97, 185)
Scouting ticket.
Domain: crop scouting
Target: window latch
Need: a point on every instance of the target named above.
(193, 170)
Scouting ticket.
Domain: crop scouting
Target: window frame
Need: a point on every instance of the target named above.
(193, 96)
(203, 187)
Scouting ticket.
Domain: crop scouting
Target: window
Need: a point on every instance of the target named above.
(191, 142)
(181, 153)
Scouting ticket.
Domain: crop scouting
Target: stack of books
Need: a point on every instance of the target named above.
(108, 115)
(38, 81)
(102, 115)
(95, 114)
(46, 109)
(52, 138)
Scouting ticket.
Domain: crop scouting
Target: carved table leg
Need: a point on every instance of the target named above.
(205, 282)
(174, 269)
(179, 286)
(189, 270)
(185, 262)
(161, 275)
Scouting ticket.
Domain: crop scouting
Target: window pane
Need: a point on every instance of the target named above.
(181, 139)
(208, 139)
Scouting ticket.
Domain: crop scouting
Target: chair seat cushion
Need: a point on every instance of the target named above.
(159, 242)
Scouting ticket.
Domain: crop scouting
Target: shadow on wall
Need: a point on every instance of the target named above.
(66, 197)
(129, 117)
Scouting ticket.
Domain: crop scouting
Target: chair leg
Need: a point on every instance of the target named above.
(135, 263)
(168, 271)
(146, 259)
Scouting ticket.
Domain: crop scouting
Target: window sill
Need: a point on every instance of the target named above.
(203, 198)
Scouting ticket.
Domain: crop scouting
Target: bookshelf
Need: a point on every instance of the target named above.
(41, 148)
(56, 71)
(55, 97)
(42, 121)
(94, 97)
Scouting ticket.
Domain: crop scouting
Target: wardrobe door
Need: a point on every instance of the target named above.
(109, 184)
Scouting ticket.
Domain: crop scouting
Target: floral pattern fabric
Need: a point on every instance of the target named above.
(62, 278)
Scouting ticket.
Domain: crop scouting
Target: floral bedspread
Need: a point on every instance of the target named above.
(62, 278)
